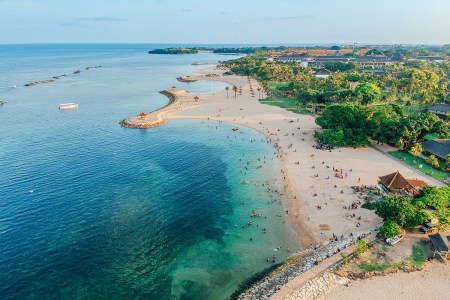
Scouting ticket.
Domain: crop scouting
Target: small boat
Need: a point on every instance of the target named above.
(68, 106)
(235, 129)
(2, 102)
(394, 240)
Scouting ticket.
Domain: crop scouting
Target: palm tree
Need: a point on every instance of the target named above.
(259, 93)
(235, 88)
(227, 89)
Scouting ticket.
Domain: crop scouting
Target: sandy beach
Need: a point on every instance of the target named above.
(315, 196)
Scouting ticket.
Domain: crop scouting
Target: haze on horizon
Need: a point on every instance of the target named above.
(225, 22)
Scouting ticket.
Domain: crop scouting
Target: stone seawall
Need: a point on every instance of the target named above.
(297, 265)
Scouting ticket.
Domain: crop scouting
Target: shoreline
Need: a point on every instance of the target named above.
(314, 199)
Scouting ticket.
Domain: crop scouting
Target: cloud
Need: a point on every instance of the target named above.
(188, 10)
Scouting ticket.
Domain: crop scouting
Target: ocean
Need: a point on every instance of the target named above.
(90, 210)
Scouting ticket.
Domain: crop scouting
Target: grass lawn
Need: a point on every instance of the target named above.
(420, 253)
(433, 136)
(286, 103)
(372, 266)
(415, 162)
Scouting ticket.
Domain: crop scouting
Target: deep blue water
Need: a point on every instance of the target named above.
(90, 210)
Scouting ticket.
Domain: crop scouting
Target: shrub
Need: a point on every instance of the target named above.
(433, 161)
(361, 247)
(390, 229)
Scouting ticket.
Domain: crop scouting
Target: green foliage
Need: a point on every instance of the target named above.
(174, 51)
(361, 247)
(420, 253)
(443, 217)
(433, 161)
(369, 206)
(367, 93)
(347, 125)
(400, 210)
(414, 85)
(245, 50)
(417, 149)
(345, 258)
(418, 218)
(390, 229)
(434, 197)
(340, 66)
(369, 266)
(332, 137)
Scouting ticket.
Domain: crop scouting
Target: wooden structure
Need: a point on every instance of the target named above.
(441, 245)
(396, 183)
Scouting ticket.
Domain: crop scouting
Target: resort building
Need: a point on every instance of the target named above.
(322, 74)
(441, 110)
(318, 62)
(436, 59)
(396, 183)
(439, 148)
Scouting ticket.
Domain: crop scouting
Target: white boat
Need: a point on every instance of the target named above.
(395, 239)
(68, 106)
(2, 102)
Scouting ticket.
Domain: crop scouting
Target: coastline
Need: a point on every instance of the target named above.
(314, 196)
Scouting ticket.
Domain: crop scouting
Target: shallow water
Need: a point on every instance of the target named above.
(92, 210)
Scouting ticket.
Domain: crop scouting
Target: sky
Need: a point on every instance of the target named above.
(225, 22)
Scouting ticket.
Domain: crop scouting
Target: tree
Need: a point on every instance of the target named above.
(227, 89)
(433, 161)
(235, 88)
(448, 159)
(417, 149)
(434, 197)
(400, 210)
(367, 93)
(332, 137)
(390, 229)
(352, 120)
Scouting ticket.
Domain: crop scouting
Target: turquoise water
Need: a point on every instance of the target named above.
(90, 210)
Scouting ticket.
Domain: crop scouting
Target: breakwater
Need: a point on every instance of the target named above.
(157, 117)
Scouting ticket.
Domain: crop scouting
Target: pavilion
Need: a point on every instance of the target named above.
(441, 245)
(396, 183)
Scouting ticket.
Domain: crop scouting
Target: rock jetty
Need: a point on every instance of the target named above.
(158, 117)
